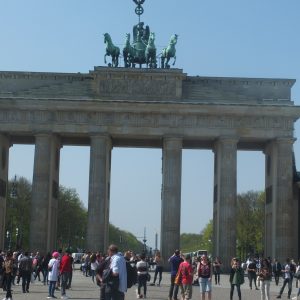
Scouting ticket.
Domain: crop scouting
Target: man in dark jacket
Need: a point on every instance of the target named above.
(175, 260)
(25, 269)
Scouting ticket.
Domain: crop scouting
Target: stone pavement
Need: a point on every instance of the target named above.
(83, 288)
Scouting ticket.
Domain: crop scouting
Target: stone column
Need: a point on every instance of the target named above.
(225, 199)
(45, 185)
(171, 197)
(4, 154)
(279, 224)
(99, 190)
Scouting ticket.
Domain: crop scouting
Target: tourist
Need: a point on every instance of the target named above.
(44, 267)
(204, 271)
(94, 266)
(252, 269)
(65, 269)
(287, 279)
(7, 266)
(175, 260)
(36, 265)
(158, 268)
(15, 267)
(25, 268)
(265, 276)
(276, 269)
(217, 270)
(142, 273)
(236, 277)
(116, 291)
(53, 268)
(99, 276)
(186, 272)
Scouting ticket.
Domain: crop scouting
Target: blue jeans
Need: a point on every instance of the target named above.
(287, 281)
(52, 288)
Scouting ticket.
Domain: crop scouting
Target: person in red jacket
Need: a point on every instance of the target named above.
(65, 270)
(186, 270)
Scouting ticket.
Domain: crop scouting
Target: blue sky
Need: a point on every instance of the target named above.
(242, 38)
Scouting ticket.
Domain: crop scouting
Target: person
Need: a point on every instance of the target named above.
(236, 277)
(142, 273)
(252, 269)
(186, 271)
(287, 275)
(94, 266)
(217, 270)
(25, 268)
(158, 268)
(175, 260)
(117, 289)
(297, 278)
(7, 266)
(265, 276)
(276, 269)
(104, 264)
(65, 269)
(204, 272)
(36, 264)
(53, 268)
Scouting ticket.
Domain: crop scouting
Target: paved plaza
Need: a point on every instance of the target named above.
(83, 288)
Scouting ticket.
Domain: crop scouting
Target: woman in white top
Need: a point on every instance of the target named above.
(94, 266)
(53, 268)
(142, 274)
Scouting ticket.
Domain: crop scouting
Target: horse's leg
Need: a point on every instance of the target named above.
(105, 58)
(174, 60)
(167, 63)
(162, 62)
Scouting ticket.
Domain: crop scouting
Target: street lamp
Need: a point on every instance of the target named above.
(17, 238)
(14, 193)
(8, 239)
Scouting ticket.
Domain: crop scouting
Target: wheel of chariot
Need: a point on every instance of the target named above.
(139, 10)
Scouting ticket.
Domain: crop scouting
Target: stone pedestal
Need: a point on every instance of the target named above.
(4, 154)
(280, 240)
(99, 187)
(225, 200)
(171, 197)
(45, 187)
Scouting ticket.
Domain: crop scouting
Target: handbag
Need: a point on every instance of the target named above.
(148, 277)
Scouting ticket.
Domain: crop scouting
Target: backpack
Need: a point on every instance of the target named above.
(131, 275)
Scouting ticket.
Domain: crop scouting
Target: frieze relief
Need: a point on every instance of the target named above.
(137, 88)
(151, 120)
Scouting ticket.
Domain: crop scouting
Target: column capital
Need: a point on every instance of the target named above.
(100, 136)
(285, 140)
(225, 140)
(172, 142)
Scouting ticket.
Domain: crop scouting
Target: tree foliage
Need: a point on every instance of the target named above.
(72, 220)
(250, 223)
(17, 219)
(190, 242)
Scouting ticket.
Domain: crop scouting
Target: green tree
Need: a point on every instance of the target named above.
(190, 242)
(72, 219)
(250, 223)
(18, 213)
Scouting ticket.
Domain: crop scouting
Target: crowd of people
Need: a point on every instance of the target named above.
(56, 269)
(115, 272)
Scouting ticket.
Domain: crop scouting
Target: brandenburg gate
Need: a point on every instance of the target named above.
(153, 108)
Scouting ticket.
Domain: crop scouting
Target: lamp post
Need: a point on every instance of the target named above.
(17, 238)
(8, 239)
(14, 196)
